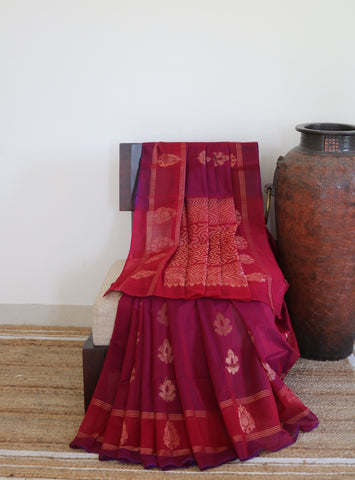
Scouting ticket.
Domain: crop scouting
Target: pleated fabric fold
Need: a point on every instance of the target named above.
(198, 381)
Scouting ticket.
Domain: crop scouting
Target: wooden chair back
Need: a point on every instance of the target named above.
(130, 154)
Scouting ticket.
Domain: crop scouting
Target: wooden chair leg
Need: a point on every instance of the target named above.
(93, 361)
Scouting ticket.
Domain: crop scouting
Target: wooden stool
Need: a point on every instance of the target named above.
(105, 308)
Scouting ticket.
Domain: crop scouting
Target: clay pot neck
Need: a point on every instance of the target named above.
(327, 138)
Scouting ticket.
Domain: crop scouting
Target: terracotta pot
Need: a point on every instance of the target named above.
(315, 209)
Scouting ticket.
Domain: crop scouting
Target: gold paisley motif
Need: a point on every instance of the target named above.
(143, 274)
(171, 437)
(168, 159)
(246, 421)
(124, 434)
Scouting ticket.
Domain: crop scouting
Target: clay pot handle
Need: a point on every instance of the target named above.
(269, 192)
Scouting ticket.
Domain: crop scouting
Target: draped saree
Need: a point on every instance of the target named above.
(202, 339)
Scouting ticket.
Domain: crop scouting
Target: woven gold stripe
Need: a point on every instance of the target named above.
(257, 435)
(99, 403)
(245, 400)
(297, 417)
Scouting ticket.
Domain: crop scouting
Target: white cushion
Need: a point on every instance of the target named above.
(104, 309)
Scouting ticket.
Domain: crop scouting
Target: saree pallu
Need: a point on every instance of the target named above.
(202, 339)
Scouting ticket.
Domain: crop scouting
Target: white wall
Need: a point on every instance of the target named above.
(80, 76)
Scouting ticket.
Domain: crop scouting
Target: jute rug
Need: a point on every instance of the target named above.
(41, 408)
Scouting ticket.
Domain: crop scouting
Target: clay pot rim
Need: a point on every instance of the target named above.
(326, 128)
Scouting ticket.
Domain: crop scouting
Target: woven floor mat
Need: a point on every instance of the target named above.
(41, 408)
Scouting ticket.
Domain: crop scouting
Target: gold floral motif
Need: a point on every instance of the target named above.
(124, 434)
(161, 243)
(241, 242)
(246, 421)
(164, 214)
(162, 315)
(143, 274)
(246, 259)
(222, 325)
(133, 375)
(165, 352)
(256, 277)
(168, 159)
(167, 391)
(202, 158)
(233, 160)
(232, 362)
(271, 375)
(238, 217)
(219, 158)
(171, 437)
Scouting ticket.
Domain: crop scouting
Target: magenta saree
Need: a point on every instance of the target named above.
(202, 339)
